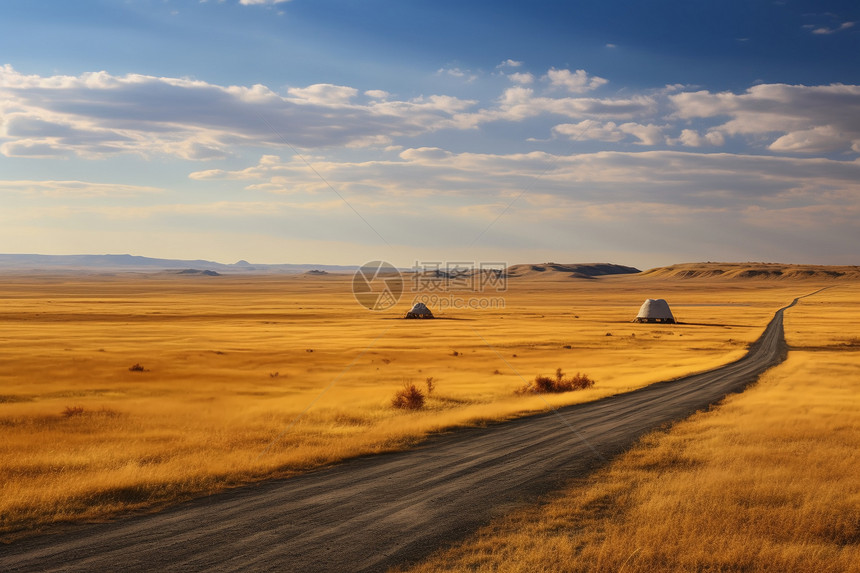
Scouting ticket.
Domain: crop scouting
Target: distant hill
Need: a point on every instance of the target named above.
(136, 263)
(207, 273)
(572, 270)
(765, 271)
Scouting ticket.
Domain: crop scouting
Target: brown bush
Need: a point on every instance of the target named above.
(136, 368)
(547, 385)
(73, 411)
(410, 397)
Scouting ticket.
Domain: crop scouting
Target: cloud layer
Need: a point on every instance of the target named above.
(97, 115)
(774, 165)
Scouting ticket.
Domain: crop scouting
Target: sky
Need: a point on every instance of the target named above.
(345, 131)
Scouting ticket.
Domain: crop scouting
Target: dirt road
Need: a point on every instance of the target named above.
(371, 513)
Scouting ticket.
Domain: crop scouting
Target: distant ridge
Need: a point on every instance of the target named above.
(27, 262)
(568, 270)
(763, 271)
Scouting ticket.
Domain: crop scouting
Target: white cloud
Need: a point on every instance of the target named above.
(377, 94)
(692, 138)
(591, 130)
(574, 82)
(806, 119)
(510, 64)
(646, 134)
(76, 189)
(519, 103)
(324, 94)
(819, 139)
(98, 114)
(521, 78)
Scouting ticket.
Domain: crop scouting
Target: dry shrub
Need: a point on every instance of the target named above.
(410, 397)
(547, 385)
(431, 385)
(136, 368)
(73, 411)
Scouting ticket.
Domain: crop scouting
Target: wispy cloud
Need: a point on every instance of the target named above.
(825, 31)
(683, 178)
(610, 131)
(593, 196)
(75, 189)
(458, 73)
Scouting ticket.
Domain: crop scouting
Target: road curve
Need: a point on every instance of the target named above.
(370, 513)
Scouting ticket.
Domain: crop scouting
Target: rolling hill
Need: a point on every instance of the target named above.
(761, 271)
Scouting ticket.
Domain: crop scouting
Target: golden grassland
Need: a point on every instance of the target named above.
(253, 377)
(767, 481)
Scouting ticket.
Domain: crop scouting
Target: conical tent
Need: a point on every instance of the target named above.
(655, 310)
(419, 310)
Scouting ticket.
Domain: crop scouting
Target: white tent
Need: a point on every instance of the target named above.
(655, 310)
(419, 310)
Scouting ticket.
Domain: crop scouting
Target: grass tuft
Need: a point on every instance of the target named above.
(557, 385)
(72, 411)
(410, 397)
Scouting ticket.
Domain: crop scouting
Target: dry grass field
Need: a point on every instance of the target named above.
(251, 377)
(767, 481)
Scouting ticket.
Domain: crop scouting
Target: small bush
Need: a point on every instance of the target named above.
(71, 411)
(581, 382)
(556, 385)
(431, 385)
(136, 368)
(410, 397)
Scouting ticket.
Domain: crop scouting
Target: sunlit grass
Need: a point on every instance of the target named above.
(129, 392)
(765, 482)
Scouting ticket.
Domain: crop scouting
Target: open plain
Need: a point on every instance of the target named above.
(246, 378)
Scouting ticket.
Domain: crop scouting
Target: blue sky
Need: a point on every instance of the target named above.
(641, 133)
